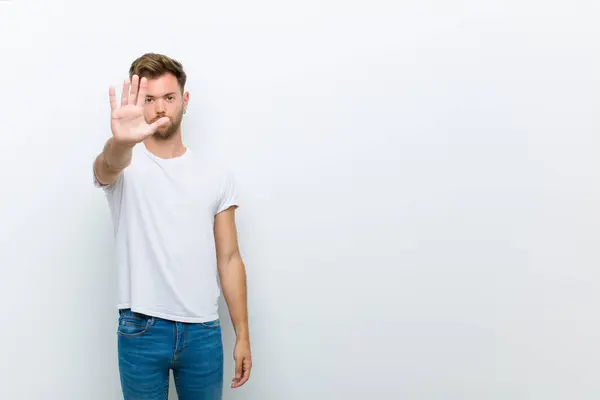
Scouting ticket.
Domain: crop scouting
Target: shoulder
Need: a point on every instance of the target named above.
(222, 178)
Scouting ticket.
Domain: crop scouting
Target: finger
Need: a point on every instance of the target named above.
(135, 81)
(158, 123)
(125, 94)
(240, 379)
(240, 382)
(113, 98)
(245, 376)
(238, 370)
(141, 97)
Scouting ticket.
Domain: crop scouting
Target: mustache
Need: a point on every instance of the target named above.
(159, 117)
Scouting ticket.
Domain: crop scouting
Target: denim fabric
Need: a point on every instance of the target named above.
(148, 347)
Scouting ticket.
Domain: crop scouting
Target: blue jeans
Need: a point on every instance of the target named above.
(148, 347)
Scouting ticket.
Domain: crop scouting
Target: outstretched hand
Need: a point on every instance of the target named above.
(128, 124)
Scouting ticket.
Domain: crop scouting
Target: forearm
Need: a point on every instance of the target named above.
(113, 159)
(116, 156)
(232, 274)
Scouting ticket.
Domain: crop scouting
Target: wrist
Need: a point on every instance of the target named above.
(242, 336)
(117, 155)
(122, 145)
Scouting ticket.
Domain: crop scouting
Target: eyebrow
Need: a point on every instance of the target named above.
(167, 94)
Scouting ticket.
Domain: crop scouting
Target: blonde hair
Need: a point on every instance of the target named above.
(153, 65)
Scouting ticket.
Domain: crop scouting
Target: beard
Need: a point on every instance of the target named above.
(167, 131)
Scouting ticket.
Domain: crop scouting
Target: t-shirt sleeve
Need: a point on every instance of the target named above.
(228, 195)
(113, 193)
(95, 177)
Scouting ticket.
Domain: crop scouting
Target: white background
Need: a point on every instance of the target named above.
(420, 191)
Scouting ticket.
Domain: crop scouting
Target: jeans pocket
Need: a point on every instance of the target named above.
(211, 324)
(132, 323)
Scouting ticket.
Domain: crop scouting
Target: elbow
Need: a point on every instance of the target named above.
(229, 259)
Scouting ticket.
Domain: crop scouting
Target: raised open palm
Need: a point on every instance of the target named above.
(127, 121)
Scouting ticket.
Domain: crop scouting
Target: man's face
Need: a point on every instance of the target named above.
(164, 99)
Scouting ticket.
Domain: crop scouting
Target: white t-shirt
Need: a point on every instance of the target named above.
(163, 213)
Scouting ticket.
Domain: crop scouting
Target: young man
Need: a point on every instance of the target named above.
(176, 237)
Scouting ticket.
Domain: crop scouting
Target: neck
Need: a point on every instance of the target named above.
(166, 148)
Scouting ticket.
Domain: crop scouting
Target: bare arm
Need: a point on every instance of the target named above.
(232, 273)
(112, 161)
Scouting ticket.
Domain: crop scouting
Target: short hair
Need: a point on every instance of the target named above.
(154, 65)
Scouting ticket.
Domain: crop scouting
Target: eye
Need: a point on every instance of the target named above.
(148, 100)
(170, 97)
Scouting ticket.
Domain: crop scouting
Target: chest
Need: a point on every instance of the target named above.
(178, 193)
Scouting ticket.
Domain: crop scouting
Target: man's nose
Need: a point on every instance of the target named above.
(159, 106)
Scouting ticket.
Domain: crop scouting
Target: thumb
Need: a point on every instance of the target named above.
(158, 123)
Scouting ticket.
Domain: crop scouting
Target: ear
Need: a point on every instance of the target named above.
(186, 99)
